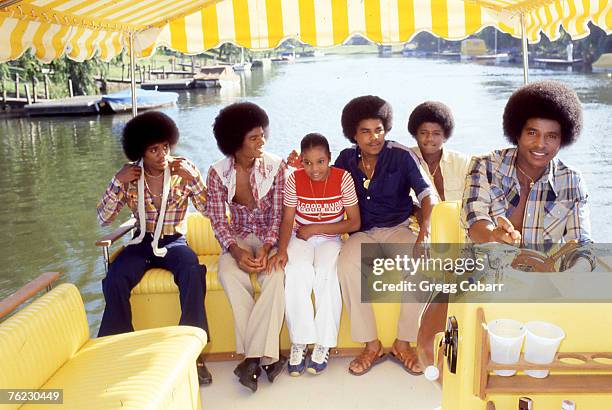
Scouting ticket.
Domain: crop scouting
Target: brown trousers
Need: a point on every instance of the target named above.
(361, 315)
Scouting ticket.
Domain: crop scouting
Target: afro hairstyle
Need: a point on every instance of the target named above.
(551, 100)
(364, 108)
(431, 111)
(146, 129)
(234, 122)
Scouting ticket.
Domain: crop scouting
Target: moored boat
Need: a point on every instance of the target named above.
(216, 76)
(145, 100)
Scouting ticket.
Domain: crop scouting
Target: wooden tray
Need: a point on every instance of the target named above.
(575, 362)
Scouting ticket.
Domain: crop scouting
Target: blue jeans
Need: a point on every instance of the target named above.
(130, 266)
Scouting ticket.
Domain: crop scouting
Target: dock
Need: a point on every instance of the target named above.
(555, 62)
(79, 105)
(169, 84)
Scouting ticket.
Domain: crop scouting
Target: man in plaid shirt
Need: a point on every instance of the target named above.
(250, 183)
(156, 187)
(525, 195)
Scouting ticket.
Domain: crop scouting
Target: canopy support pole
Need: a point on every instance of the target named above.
(133, 75)
(525, 52)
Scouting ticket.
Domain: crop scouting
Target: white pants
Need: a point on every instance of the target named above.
(312, 267)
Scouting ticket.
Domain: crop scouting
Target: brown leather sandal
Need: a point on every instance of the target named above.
(366, 360)
(406, 358)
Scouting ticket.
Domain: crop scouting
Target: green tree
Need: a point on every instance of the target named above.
(82, 74)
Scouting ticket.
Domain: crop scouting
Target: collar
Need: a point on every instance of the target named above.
(508, 168)
(445, 154)
(264, 169)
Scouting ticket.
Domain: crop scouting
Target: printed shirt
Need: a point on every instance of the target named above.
(387, 201)
(117, 195)
(454, 167)
(320, 201)
(556, 210)
(263, 220)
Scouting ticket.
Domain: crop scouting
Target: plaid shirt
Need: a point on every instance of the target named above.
(556, 210)
(118, 194)
(263, 220)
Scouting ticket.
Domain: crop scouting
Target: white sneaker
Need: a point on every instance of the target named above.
(297, 359)
(318, 359)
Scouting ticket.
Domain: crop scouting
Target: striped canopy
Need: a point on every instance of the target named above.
(82, 29)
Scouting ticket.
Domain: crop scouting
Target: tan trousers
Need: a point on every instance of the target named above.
(257, 324)
(361, 315)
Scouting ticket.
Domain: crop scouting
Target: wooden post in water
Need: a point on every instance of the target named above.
(34, 89)
(122, 68)
(192, 64)
(149, 72)
(163, 71)
(46, 86)
(3, 90)
(27, 92)
(70, 90)
(16, 85)
(142, 73)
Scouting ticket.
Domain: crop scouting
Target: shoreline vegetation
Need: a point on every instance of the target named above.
(94, 76)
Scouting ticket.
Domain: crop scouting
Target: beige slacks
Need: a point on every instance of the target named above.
(361, 315)
(257, 324)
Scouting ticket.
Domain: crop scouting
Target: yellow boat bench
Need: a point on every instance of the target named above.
(155, 300)
(46, 345)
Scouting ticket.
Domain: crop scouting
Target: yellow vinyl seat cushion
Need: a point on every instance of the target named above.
(155, 300)
(144, 369)
(46, 345)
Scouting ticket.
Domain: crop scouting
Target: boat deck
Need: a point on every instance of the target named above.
(386, 386)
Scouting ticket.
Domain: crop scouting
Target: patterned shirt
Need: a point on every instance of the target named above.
(118, 194)
(556, 210)
(320, 201)
(263, 220)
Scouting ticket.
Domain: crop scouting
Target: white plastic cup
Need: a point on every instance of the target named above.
(541, 344)
(505, 338)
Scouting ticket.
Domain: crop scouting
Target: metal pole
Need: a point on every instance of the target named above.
(132, 75)
(525, 52)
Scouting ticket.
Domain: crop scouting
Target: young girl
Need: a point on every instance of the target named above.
(315, 201)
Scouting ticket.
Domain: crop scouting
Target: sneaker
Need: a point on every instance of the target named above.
(318, 359)
(297, 359)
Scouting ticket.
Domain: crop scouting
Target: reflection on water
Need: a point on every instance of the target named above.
(53, 170)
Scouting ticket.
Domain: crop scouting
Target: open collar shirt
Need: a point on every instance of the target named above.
(386, 202)
(267, 181)
(556, 210)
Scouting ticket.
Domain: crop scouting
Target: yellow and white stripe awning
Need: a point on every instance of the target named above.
(84, 28)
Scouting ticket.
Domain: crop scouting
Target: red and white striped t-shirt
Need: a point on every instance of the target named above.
(310, 201)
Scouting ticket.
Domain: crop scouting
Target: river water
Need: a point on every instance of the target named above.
(53, 170)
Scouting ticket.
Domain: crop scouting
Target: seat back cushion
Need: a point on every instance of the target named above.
(446, 224)
(38, 340)
(200, 235)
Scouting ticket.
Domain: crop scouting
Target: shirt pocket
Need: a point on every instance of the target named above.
(555, 219)
(498, 206)
(176, 197)
(453, 189)
(391, 185)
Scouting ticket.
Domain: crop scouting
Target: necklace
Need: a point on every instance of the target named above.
(150, 191)
(153, 176)
(531, 181)
(313, 195)
(433, 174)
(366, 183)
